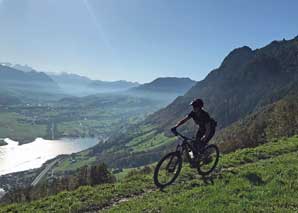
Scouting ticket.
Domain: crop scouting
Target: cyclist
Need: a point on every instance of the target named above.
(207, 125)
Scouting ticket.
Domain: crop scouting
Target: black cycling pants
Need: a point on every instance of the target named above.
(201, 133)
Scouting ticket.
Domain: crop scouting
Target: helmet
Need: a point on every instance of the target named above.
(197, 103)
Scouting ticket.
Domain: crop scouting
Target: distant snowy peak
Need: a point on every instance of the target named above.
(24, 68)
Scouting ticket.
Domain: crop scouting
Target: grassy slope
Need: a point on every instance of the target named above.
(258, 179)
(262, 179)
(149, 141)
(12, 127)
(276, 120)
(273, 121)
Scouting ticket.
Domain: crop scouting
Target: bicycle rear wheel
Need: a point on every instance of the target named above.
(167, 169)
(209, 159)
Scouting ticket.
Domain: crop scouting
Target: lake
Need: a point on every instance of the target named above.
(15, 158)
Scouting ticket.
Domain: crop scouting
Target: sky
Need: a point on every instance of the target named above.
(138, 40)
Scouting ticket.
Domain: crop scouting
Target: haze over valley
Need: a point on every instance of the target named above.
(92, 94)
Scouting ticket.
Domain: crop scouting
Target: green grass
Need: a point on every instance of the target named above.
(149, 141)
(123, 174)
(269, 150)
(68, 165)
(154, 142)
(86, 118)
(84, 197)
(269, 185)
(261, 187)
(261, 179)
(12, 125)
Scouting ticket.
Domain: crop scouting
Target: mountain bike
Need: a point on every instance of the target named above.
(169, 167)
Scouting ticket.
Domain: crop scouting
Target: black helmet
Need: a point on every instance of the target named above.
(197, 103)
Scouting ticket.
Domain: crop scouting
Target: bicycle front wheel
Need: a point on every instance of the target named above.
(209, 159)
(167, 169)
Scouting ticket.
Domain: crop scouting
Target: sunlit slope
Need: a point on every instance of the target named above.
(145, 144)
(276, 120)
(246, 81)
(258, 179)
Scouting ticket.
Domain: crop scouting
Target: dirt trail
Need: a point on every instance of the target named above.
(125, 199)
(117, 201)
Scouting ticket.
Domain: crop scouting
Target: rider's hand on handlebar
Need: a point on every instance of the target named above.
(174, 130)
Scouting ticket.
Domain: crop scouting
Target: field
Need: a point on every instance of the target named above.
(261, 179)
(14, 126)
(78, 117)
(149, 141)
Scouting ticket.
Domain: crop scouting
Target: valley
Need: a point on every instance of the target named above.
(256, 135)
(98, 117)
(101, 102)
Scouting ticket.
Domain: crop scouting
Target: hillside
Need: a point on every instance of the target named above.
(166, 85)
(261, 179)
(274, 121)
(7, 98)
(246, 82)
(78, 85)
(20, 67)
(72, 84)
(28, 85)
(163, 89)
(111, 86)
(11, 77)
(69, 79)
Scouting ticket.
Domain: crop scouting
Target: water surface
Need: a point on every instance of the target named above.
(15, 158)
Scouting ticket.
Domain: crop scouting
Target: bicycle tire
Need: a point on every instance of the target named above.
(160, 163)
(208, 147)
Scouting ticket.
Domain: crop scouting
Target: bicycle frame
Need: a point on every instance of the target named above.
(185, 146)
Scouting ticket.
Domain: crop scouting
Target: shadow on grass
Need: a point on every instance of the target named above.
(208, 179)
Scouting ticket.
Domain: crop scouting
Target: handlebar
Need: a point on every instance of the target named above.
(182, 136)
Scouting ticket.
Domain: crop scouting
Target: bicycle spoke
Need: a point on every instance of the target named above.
(209, 160)
(168, 169)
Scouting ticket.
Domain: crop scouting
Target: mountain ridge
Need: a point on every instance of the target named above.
(230, 94)
(256, 67)
(169, 85)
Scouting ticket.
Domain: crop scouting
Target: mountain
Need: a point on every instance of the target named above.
(272, 122)
(78, 85)
(254, 97)
(11, 75)
(246, 82)
(166, 85)
(111, 86)
(72, 84)
(27, 84)
(24, 68)
(69, 78)
(164, 89)
(7, 98)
